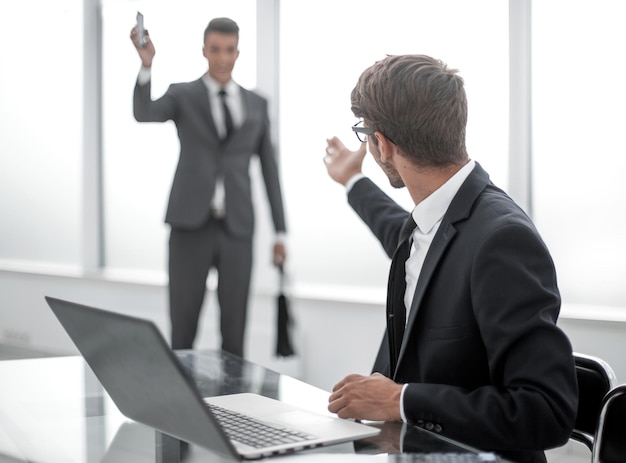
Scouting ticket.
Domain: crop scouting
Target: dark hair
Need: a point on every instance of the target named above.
(419, 104)
(222, 25)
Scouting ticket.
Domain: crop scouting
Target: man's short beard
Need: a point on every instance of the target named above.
(394, 178)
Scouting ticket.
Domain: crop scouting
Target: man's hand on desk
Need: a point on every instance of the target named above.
(375, 398)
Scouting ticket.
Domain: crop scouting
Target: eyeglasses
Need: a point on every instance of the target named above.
(362, 132)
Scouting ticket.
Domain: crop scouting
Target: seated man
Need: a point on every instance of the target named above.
(472, 349)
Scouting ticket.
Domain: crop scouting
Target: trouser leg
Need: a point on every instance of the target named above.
(190, 256)
(234, 271)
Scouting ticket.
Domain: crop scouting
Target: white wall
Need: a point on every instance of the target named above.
(332, 338)
(337, 332)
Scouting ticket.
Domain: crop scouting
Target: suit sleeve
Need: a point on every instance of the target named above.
(530, 403)
(160, 110)
(271, 176)
(379, 212)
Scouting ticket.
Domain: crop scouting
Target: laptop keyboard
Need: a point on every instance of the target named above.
(255, 433)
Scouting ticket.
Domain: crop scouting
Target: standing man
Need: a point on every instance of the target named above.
(472, 349)
(221, 126)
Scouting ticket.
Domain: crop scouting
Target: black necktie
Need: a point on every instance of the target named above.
(396, 310)
(228, 119)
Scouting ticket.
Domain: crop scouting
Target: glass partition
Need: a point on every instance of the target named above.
(324, 47)
(578, 148)
(41, 109)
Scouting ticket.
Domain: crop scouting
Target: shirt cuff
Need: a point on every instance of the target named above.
(144, 75)
(281, 237)
(404, 420)
(352, 180)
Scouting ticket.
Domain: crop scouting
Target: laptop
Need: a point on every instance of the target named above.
(147, 382)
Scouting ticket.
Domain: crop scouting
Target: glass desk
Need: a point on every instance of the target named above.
(55, 410)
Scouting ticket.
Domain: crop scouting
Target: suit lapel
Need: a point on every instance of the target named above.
(459, 209)
(246, 100)
(437, 247)
(204, 104)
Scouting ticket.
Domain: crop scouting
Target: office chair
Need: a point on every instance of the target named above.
(595, 379)
(610, 437)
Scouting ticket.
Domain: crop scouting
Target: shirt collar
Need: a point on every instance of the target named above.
(432, 209)
(214, 86)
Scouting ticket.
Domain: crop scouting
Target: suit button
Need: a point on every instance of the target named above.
(438, 428)
(420, 423)
(429, 426)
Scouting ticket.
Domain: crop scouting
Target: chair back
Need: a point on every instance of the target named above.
(595, 379)
(610, 438)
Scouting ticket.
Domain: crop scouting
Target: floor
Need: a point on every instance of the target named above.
(570, 453)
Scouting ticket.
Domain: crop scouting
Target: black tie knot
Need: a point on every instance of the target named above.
(407, 228)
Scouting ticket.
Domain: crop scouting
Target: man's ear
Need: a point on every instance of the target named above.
(385, 147)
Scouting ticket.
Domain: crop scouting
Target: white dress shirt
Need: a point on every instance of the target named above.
(236, 108)
(428, 215)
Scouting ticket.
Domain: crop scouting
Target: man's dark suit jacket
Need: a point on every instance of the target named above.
(483, 357)
(202, 151)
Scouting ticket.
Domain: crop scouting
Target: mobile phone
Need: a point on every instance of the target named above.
(141, 32)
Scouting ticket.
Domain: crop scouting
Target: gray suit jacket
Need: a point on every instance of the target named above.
(482, 355)
(201, 153)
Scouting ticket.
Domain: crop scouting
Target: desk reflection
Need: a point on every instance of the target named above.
(54, 410)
